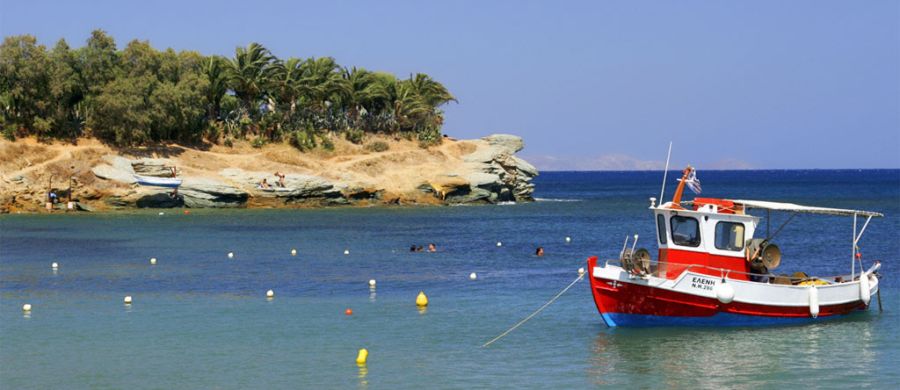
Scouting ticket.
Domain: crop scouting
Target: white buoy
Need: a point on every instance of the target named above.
(293, 252)
(346, 251)
(581, 271)
(230, 255)
(864, 292)
(371, 282)
(499, 243)
(26, 307)
(54, 265)
(128, 299)
(473, 276)
(152, 261)
(270, 294)
(568, 239)
(724, 292)
(813, 301)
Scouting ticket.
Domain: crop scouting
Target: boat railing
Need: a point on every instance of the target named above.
(759, 276)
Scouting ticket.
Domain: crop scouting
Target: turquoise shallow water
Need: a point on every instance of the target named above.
(201, 320)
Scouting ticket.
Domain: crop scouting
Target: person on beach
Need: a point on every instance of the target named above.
(174, 170)
(539, 251)
(432, 247)
(280, 177)
(53, 197)
(264, 184)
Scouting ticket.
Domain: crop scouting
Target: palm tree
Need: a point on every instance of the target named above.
(218, 85)
(366, 91)
(249, 72)
(410, 110)
(432, 92)
(285, 83)
(322, 81)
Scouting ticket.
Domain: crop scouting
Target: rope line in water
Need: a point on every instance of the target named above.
(535, 313)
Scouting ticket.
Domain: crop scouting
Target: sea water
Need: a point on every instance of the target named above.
(202, 320)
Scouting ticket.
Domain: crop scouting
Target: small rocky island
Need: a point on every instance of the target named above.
(482, 170)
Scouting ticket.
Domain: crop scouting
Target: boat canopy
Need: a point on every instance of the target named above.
(761, 204)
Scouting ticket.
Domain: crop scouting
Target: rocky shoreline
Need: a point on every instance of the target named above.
(485, 171)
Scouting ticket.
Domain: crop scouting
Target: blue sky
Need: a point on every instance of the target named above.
(589, 85)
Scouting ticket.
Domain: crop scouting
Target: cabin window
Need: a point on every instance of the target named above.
(661, 228)
(730, 236)
(685, 231)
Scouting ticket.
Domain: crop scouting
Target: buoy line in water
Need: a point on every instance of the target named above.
(530, 316)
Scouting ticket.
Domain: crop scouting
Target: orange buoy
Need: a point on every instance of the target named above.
(348, 312)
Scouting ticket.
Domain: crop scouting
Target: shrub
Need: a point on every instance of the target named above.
(429, 137)
(377, 146)
(327, 144)
(303, 139)
(258, 142)
(212, 132)
(9, 132)
(355, 135)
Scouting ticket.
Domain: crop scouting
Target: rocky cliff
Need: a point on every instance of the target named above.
(484, 170)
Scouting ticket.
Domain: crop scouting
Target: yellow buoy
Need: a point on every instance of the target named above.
(422, 299)
(362, 356)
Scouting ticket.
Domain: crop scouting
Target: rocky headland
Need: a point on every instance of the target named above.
(98, 177)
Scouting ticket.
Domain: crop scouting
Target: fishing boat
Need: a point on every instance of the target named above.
(153, 181)
(712, 269)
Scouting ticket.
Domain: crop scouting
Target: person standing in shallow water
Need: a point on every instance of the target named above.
(539, 251)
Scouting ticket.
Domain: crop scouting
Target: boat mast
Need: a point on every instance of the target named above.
(662, 191)
(853, 251)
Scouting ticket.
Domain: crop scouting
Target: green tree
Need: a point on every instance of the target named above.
(140, 59)
(122, 111)
(65, 90)
(99, 61)
(25, 84)
(177, 110)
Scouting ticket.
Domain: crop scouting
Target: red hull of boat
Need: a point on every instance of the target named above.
(631, 304)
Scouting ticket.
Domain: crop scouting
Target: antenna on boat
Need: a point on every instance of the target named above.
(665, 172)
